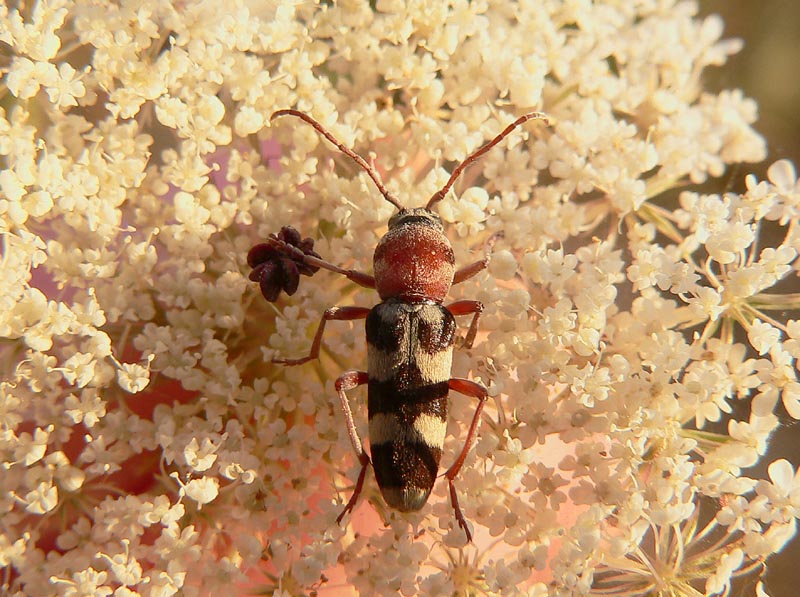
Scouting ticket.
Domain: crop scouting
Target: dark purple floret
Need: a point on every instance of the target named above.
(278, 263)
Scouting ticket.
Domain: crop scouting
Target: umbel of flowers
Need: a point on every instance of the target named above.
(150, 446)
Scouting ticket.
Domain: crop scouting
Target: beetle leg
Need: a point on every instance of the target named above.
(466, 272)
(356, 276)
(476, 390)
(465, 308)
(333, 313)
(298, 255)
(348, 381)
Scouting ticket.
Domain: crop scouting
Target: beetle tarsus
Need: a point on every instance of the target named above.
(364, 459)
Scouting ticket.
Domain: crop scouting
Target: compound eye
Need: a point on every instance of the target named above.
(395, 219)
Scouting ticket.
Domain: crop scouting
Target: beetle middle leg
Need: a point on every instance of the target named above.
(332, 313)
(466, 307)
(476, 390)
(348, 381)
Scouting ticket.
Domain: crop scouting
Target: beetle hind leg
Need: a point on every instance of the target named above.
(348, 381)
(475, 390)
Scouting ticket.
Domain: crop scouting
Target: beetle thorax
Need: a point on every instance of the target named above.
(414, 260)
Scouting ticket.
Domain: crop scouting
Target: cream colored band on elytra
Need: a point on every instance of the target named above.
(433, 368)
(427, 429)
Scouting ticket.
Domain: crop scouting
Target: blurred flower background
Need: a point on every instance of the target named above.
(639, 341)
(772, 45)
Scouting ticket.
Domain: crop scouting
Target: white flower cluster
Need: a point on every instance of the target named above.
(149, 446)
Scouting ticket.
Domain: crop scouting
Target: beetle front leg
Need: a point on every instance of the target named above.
(465, 308)
(348, 381)
(333, 313)
(476, 390)
(299, 256)
(466, 272)
(356, 276)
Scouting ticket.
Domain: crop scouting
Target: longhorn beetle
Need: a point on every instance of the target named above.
(410, 336)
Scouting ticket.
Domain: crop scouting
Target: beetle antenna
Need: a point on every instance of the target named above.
(473, 157)
(373, 174)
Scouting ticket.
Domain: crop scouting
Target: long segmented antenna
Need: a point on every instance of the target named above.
(439, 195)
(345, 150)
(373, 174)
